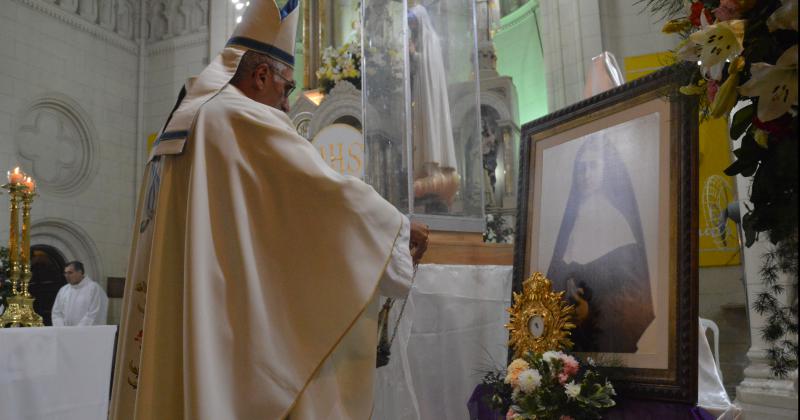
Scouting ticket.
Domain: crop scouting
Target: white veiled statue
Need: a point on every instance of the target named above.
(435, 166)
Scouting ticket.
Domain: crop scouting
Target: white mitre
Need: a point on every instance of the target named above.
(268, 30)
(265, 29)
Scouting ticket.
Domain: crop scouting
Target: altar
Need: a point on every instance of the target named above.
(452, 329)
(56, 373)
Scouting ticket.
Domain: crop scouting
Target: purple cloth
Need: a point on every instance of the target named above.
(701, 413)
(478, 409)
(632, 409)
(626, 409)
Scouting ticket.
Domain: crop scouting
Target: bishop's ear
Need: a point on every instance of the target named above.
(261, 75)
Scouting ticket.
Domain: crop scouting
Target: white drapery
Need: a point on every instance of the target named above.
(711, 393)
(452, 329)
(55, 372)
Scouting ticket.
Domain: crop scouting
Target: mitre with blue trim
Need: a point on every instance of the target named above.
(268, 30)
(265, 28)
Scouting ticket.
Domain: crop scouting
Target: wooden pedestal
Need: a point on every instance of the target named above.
(461, 248)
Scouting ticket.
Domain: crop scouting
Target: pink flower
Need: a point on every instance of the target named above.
(727, 10)
(571, 365)
(511, 415)
(563, 378)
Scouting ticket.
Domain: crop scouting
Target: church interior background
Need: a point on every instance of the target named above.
(86, 84)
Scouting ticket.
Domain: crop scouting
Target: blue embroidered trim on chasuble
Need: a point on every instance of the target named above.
(289, 8)
(169, 143)
(263, 48)
(172, 135)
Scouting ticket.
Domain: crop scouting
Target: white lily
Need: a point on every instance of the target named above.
(785, 17)
(719, 42)
(712, 45)
(774, 85)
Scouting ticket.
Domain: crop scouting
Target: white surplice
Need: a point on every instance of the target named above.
(80, 304)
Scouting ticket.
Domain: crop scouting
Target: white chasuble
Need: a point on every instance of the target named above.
(253, 264)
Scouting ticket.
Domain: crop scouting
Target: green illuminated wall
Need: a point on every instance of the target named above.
(519, 55)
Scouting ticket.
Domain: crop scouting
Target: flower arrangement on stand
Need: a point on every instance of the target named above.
(497, 230)
(343, 63)
(550, 385)
(746, 54)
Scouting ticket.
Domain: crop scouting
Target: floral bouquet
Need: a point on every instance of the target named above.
(343, 63)
(497, 231)
(746, 53)
(550, 385)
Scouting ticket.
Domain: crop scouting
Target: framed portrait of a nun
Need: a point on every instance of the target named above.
(607, 211)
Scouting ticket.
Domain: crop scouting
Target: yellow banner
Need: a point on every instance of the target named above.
(150, 140)
(719, 237)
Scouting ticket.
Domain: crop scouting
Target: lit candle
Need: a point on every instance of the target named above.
(16, 176)
(30, 183)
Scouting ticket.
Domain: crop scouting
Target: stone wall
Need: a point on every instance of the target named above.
(68, 99)
(575, 31)
(75, 112)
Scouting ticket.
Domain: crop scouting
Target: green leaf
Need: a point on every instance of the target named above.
(743, 167)
(741, 121)
(748, 226)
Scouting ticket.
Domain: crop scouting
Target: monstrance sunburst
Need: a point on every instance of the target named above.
(540, 318)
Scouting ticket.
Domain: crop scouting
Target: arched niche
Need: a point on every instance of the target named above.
(47, 266)
(72, 242)
(342, 104)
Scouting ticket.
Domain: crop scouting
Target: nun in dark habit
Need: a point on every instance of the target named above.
(599, 256)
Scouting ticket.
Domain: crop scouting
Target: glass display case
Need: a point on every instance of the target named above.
(421, 119)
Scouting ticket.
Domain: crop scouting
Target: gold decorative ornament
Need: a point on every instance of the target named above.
(20, 313)
(540, 318)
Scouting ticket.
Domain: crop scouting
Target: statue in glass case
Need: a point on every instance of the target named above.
(436, 178)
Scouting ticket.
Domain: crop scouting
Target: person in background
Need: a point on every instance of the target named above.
(81, 301)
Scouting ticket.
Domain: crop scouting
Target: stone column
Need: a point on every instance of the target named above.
(220, 25)
(761, 395)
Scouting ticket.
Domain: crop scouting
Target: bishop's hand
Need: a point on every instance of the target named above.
(418, 243)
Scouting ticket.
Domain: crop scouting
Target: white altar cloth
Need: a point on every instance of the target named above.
(453, 328)
(59, 373)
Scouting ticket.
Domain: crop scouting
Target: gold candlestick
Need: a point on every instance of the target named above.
(25, 252)
(20, 311)
(13, 226)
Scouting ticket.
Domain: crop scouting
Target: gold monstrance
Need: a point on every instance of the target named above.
(20, 313)
(540, 318)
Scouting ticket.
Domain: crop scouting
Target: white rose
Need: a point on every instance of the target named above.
(572, 389)
(529, 380)
(549, 356)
